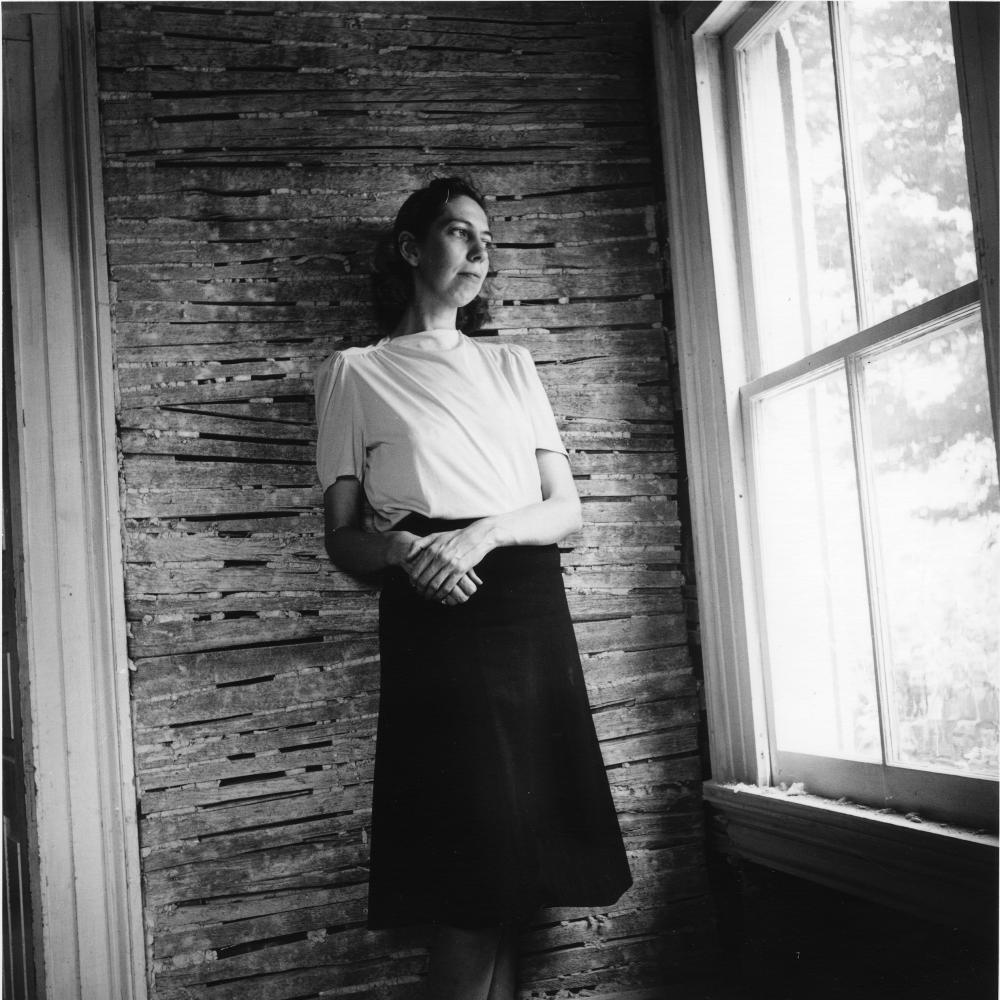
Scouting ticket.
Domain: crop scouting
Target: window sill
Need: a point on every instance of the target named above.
(935, 871)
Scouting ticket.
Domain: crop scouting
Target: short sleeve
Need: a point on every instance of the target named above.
(533, 397)
(340, 449)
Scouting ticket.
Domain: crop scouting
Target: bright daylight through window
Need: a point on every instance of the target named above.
(869, 442)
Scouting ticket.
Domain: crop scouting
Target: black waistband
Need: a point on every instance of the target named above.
(420, 524)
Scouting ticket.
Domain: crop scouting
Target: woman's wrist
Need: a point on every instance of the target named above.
(398, 544)
(490, 531)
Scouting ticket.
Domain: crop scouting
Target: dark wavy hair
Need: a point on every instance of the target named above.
(392, 277)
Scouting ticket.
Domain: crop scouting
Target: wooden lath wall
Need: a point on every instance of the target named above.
(252, 153)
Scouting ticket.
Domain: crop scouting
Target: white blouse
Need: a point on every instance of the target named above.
(434, 423)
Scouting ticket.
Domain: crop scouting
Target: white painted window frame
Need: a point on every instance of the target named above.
(86, 889)
(880, 856)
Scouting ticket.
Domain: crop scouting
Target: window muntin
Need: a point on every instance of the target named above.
(869, 445)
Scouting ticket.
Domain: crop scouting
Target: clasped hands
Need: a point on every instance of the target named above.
(440, 566)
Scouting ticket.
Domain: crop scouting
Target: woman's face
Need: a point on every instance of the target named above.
(451, 261)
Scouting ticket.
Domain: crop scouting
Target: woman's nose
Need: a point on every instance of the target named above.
(477, 250)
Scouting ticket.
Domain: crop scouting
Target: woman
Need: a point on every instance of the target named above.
(490, 795)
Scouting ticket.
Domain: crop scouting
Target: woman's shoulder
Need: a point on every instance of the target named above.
(332, 374)
(503, 351)
(345, 357)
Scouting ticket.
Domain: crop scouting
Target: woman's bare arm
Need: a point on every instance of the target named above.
(347, 544)
(551, 520)
(355, 550)
(438, 560)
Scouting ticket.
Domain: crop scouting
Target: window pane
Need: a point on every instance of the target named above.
(916, 228)
(818, 644)
(938, 524)
(803, 280)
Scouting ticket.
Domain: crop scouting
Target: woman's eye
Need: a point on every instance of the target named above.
(467, 236)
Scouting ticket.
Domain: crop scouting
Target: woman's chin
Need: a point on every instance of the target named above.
(466, 295)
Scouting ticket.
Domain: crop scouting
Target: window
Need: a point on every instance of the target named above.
(872, 464)
(841, 415)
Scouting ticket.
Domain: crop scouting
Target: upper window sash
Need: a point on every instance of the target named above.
(819, 200)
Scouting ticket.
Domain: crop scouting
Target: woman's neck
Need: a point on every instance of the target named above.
(418, 317)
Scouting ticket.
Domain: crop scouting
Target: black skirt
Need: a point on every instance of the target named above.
(490, 797)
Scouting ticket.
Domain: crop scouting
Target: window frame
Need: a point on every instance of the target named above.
(71, 632)
(807, 835)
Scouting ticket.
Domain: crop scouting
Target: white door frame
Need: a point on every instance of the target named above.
(78, 741)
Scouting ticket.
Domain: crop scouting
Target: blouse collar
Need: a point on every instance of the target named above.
(425, 340)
